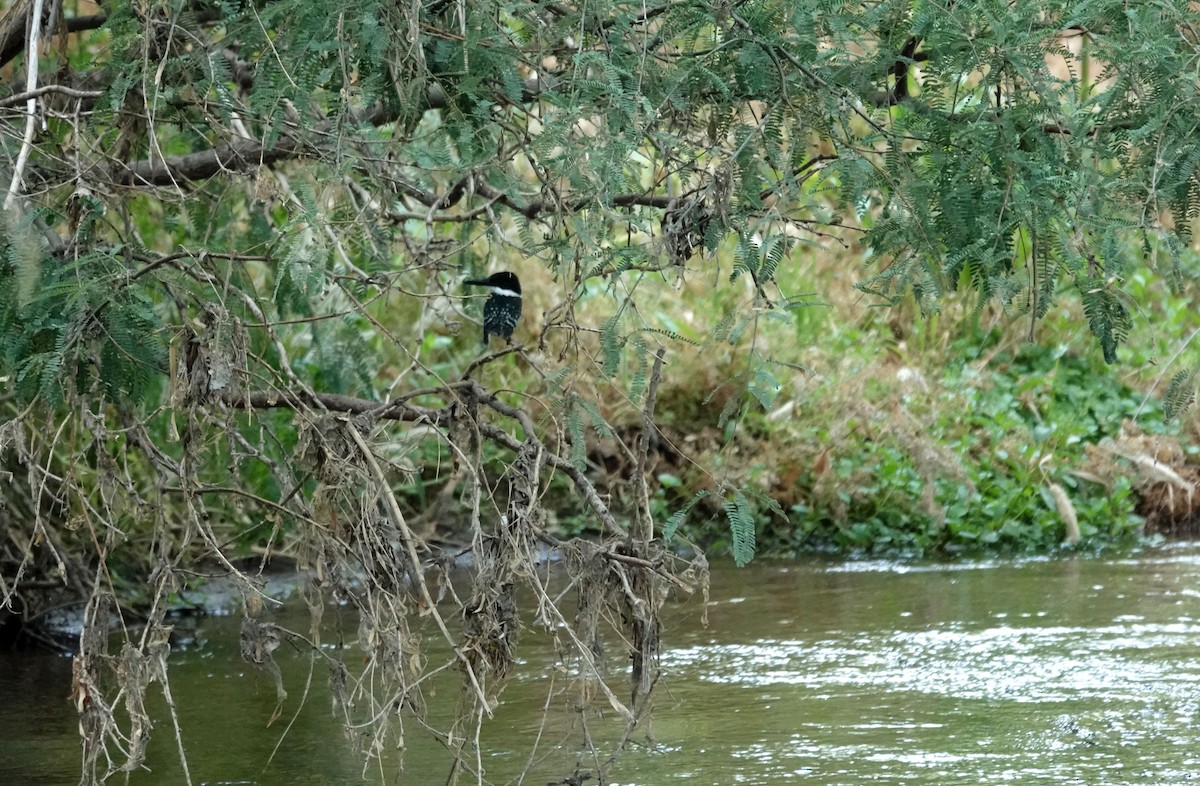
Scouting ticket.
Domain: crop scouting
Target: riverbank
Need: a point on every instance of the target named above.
(905, 433)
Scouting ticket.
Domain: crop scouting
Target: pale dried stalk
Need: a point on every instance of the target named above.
(415, 560)
(31, 77)
(1067, 511)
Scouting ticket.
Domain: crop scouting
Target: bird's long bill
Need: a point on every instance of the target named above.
(477, 282)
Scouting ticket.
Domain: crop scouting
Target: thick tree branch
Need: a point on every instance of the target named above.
(244, 154)
(240, 155)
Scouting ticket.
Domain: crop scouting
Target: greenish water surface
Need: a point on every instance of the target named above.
(1072, 671)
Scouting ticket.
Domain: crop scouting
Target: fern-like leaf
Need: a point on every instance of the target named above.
(576, 428)
(741, 525)
(676, 519)
(1180, 393)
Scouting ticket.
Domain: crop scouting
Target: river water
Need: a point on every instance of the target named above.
(1066, 671)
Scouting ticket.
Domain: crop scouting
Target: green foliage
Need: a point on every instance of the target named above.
(675, 520)
(965, 467)
(69, 330)
(1106, 316)
(747, 511)
(1011, 431)
(1180, 393)
(741, 525)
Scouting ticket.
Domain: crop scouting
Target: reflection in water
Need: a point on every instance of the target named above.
(1040, 671)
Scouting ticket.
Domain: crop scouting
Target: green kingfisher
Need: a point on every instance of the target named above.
(503, 308)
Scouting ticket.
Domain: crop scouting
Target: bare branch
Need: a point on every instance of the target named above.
(242, 154)
(28, 95)
(332, 402)
(31, 76)
(400, 410)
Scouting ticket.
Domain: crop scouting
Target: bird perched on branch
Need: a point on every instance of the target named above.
(502, 311)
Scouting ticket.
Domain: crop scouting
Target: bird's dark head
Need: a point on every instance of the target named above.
(503, 283)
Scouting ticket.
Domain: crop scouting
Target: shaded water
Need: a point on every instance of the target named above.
(1080, 671)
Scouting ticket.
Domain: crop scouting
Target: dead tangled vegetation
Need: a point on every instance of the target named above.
(1166, 479)
(359, 549)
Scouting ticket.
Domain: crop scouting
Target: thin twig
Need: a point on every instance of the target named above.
(1164, 368)
(488, 358)
(243, 493)
(431, 218)
(563, 465)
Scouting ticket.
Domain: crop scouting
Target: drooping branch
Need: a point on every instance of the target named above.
(417, 573)
(333, 402)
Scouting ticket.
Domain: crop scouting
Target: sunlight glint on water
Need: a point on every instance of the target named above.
(1037, 672)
